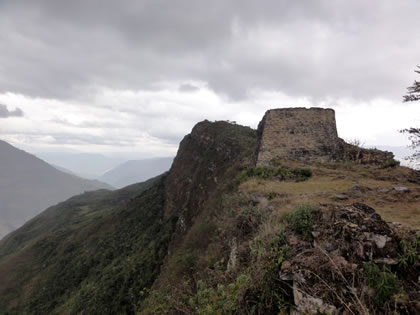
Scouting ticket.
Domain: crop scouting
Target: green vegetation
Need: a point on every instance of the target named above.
(301, 219)
(220, 300)
(96, 260)
(384, 282)
(279, 173)
(305, 172)
(252, 286)
(411, 253)
(270, 195)
(391, 163)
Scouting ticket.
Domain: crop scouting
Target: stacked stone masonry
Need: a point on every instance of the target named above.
(307, 134)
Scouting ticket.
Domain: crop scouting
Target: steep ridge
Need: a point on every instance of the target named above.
(99, 252)
(28, 185)
(217, 235)
(202, 165)
(293, 236)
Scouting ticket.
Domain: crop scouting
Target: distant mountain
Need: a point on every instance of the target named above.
(63, 169)
(87, 165)
(28, 185)
(136, 171)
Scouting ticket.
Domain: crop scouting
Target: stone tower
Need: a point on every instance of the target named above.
(297, 133)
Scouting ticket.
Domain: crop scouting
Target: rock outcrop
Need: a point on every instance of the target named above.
(348, 242)
(201, 165)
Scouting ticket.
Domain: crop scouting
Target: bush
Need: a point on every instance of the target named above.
(279, 173)
(222, 299)
(270, 195)
(283, 173)
(391, 163)
(305, 172)
(247, 221)
(301, 220)
(411, 255)
(384, 282)
(261, 172)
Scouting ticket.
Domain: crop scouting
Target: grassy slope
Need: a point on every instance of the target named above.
(94, 252)
(229, 261)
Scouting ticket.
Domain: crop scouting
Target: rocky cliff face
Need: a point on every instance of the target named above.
(203, 159)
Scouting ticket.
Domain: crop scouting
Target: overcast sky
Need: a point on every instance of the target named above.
(135, 76)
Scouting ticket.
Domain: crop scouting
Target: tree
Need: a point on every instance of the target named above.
(413, 94)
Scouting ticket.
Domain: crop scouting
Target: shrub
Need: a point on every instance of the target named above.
(301, 220)
(279, 173)
(223, 299)
(247, 221)
(384, 282)
(276, 247)
(410, 254)
(283, 173)
(305, 172)
(261, 172)
(391, 163)
(270, 195)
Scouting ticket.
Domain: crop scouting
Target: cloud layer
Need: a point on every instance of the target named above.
(136, 75)
(6, 113)
(64, 49)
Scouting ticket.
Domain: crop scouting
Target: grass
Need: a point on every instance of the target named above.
(332, 179)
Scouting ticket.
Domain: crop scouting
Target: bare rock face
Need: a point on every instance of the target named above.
(204, 157)
(307, 134)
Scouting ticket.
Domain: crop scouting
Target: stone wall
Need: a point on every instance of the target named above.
(297, 133)
(307, 134)
(348, 152)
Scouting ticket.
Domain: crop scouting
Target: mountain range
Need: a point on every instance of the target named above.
(28, 185)
(114, 171)
(86, 165)
(136, 171)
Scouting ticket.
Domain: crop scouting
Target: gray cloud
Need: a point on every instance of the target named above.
(6, 113)
(188, 88)
(318, 49)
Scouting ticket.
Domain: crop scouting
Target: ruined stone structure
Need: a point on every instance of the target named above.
(307, 134)
(296, 133)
